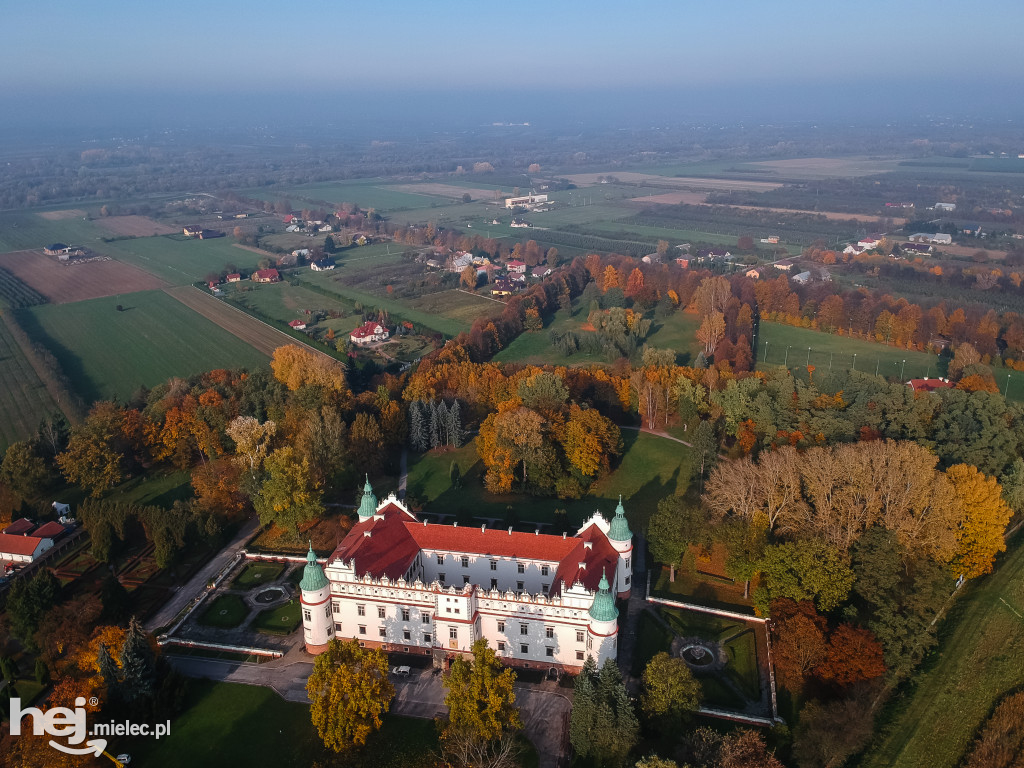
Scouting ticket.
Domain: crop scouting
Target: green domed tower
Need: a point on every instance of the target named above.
(622, 539)
(368, 504)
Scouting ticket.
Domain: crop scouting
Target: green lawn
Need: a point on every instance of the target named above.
(153, 488)
(535, 346)
(678, 331)
(838, 351)
(652, 637)
(21, 230)
(178, 260)
(257, 574)
(25, 400)
(109, 354)
(742, 667)
(284, 302)
(282, 620)
(980, 659)
(703, 625)
(368, 193)
(457, 305)
(650, 469)
(225, 612)
(226, 724)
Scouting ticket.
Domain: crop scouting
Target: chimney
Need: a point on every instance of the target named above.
(483, 528)
(455, 524)
(563, 535)
(536, 531)
(510, 530)
(367, 534)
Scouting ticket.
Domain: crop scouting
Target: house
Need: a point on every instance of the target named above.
(517, 277)
(21, 527)
(266, 276)
(516, 266)
(22, 543)
(297, 325)
(51, 530)
(651, 258)
(360, 239)
(755, 273)
(771, 240)
(300, 253)
(944, 206)
(369, 332)
(213, 285)
(234, 277)
(400, 584)
(853, 250)
(540, 272)
(322, 265)
(293, 228)
(868, 243)
(57, 249)
(520, 223)
(915, 248)
(710, 254)
(193, 231)
(289, 219)
(324, 228)
(525, 201)
(434, 263)
(785, 265)
(803, 278)
(683, 262)
(929, 385)
(938, 238)
(502, 287)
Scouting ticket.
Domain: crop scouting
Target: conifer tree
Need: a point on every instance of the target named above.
(110, 673)
(455, 435)
(435, 424)
(138, 665)
(441, 435)
(418, 439)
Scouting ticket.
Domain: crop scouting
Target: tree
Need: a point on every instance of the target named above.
(349, 690)
(712, 295)
(829, 733)
(745, 749)
(672, 529)
(252, 441)
(1001, 742)
(853, 655)
(799, 640)
(138, 667)
(662, 247)
(91, 460)
(419, 438)
(804, 570)
(483, 719)
(984, 520)
(23, 469)
(669, 688)
(296, 366)
(711, 332)
(603, 727)
(366, 443)
(468, 277)
(289, 496)
(27, 604)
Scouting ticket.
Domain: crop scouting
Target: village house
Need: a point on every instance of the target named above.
(803, 278)
(784, 265)
(502, 287)
(944, 206)
(520, 223)
(369, 332)
(755, 273)
(234, 277)
(771, 240)
(542, 601)
(683, 262)
(22, 542)
(193, 231)
(516, 267)
(322, 265)
(938, 238)
(297, 325)
(542, 271)
(266, 276)
(916, 248)
(929, 385)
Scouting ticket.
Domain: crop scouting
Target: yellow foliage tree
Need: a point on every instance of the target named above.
(294, 367)
(611, 278)
(984, 520)
(349, 690)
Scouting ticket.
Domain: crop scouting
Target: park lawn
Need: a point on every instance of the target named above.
(742, 668)
(225, 612)
(678, 332)
(257, 574)
(690, 587)
(25, 401)
(154, 488)
(704, 625)
(21, 230)
(109, 354)
(980, 659)
(652, 638)
(535, 346)
(228, 724)
(650, 469)
(282, 620)
(180, 260)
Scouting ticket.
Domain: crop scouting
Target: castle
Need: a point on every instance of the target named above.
(405, 585)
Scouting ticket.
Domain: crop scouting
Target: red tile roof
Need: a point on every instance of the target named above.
(600, 557)
(267, 274)
(368, 329)
(379, 546)
(20, 527)
(496, 542)
(18, 545)
(929, 385)
(50, 530)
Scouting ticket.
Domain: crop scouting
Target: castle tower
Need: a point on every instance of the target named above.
(368, 504)
(315, 598)
(621, 539)
(603, 629)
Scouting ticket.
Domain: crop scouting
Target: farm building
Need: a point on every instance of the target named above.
(369, 332)
(55, 249)
(539, 272)
(300, 253)
(193, 231)
(266, 276)
(937, 239)
(684, 263)
(322, 265)
(297, 325)
(520, 223)
(785, 265)
(23, 541)
(502, 287)
(541, 600)
(755, 273)
(525, 200)
(234, 277)
(802, 278)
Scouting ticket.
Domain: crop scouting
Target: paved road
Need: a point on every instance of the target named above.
(186, 592)
(403, 478)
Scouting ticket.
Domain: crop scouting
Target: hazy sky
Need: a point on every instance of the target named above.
(224, 45)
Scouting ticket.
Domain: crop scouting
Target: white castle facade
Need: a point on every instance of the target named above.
(410, 586)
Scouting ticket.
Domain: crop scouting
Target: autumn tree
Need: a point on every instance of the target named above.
(23, 469)
(289, 496)
(217, 485)
(1001, 741)
(252, 441)
(349, 690)
(483, 719)
(984, 518)
(853, 655)
(468, 277)
(803, 570)
(711, 332)
(828, 733)
(610, 279)
(712, 295)
(669, 688)
(798, 640)
(296, 366)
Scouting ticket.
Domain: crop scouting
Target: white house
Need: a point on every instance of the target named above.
(20, 544)
(525, 200)
(369, 332)
(402, 584)
(802, 278)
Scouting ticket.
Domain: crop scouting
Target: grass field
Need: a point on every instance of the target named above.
(840, 351)
(110, 354)
(153, 488)
(369, 193)
(25, 400)
(282, 620)
(678, 331)
(284, 302)
(535, 346)
(23, 230)
(180, 261)
(257, 574)
(225, 612)
(650, 469)
(457, 305)
(228, 724)
(980, 659)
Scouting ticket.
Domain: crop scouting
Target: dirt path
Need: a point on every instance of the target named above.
(254, 332)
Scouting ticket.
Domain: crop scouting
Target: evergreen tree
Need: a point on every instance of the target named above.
(435, 424)
(582, 717)
(603, 727)
(441, 438)
(418, 439)
(705, 448)
(138, 666)
(42, 673)
(115, 600)
(110, 673)
(455, 435)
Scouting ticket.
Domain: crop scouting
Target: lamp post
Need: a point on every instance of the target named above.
(855, 361)
(765, 352)
(1007, 387)
(786, 362)
(830, 361)
(808, 356)
(903, 367)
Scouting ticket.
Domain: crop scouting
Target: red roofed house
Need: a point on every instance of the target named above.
(266, 276)
(516, 266)
(297, 325)
(20, 527)
(369, 332)
(22, 548)
(234, 277)
(929, 385)
(403, 584)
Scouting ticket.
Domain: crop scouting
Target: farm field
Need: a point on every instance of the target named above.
(693, 182)
(21, 231)
(180, 261)
(370, 193)
(284, 302)
(253, 332)
(63, 283)
(109, 354)
(135, 226)
(824, 167)
(980, 659)
(457, 305)
(651, 468)
(25, 400)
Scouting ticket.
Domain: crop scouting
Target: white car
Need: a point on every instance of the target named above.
(403, 671)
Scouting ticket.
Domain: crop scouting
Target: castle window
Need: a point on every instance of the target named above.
(405, 614)
(627, 581)
(524, 629)
(362, 629)
(545, 587)
(440, 559)
(338, 626)
(425, 618)
(330, 630)
(579, 655)
(307, 616)
(382, 631)
(501, 646)
(494, 565)
(453, 633)
(579, 635)
(465, 579)
(549, 631)
(550, 652)
(426, 637)
(627, 561)
(494, 583)
(501, 626)
(406, 635)
(337, 608)
(524, 649)
(521, 568)
(361, 610)
(441, 578)
(465, 562)
(590, 643)
(520, 586)
(327, 611)
(544, 570)
(380, 613)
